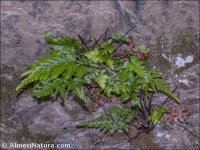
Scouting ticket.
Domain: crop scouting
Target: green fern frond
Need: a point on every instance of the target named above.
(101, 53)
(81, 71)
(52, 73)
(107, 90)
(121, 38)
(102, 79)
(143, 48)
(49, 87)
(109, 63)
(94, 55)
(44, 70)
(124, 75)
(70, 70)
(70, 67)
(66, 41)
(138, 67)
(157, 83)
(107, 47)
(78, 91)
(119, 118)
(157, 114)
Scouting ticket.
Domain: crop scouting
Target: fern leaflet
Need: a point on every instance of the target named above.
(120, 118)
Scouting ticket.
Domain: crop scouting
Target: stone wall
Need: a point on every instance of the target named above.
(23, 23)
(170, 28)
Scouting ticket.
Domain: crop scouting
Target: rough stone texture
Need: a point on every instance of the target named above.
(49, 120)
(23, 23)
(170, 28)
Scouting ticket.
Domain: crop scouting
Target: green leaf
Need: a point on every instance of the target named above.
(123, 75)
(109, 62)
(119, 119)
(91, 54)
(116, 88)
(72, 85)
(78, 91)
(66, 41)
(157, 114)
(143, 48)
(81, 71)
(107, 90)
(124, 97)
(133, 58)
(121, 38)
(158, 83)
(70, 70)
(107, 48)
(58, 70)
(135, 103)
(135, 100)
(94, 55)
(49, 87)
(56, 47)
(101, 80)
(138, 68)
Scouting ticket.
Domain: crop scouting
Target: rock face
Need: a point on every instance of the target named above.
(170, 28)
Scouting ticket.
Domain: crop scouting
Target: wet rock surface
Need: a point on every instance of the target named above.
(170, 28)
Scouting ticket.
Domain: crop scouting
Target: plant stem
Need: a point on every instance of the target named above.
(129, 30)
(107, 113)
(97, 41)
(105, 37)
(174, 90)
(83, 42)
(150, 103)
(142, 106)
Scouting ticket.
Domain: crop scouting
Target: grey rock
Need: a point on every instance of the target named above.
(194, 108)
(6, 76)
(186, 140)
(16, 122)
(194, 119)
(49, 120)
(24, 102)
(6, 129)
(31, 19)
(163, 25)
(66, 139)
(28, 114)
(167, 138)
(77, 140)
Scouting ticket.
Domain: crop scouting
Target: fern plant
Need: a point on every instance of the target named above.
(119, 118)
(78, 66)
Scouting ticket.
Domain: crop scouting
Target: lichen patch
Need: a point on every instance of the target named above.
(181, 62)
